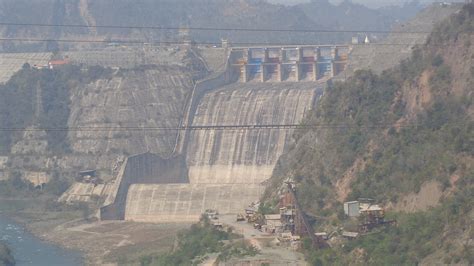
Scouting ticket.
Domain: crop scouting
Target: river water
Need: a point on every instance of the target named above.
(29, 250)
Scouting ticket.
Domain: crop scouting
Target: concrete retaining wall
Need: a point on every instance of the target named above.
(144, 168)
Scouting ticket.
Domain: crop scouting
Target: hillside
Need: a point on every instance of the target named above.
(406, 36)
(404, 138)
(348, 15)
(197, 14)
(77, 96)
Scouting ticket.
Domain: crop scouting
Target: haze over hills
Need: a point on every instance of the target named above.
(201, 13)
(102, 144)
(368, 3)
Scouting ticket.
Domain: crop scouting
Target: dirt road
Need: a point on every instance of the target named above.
(271, 251)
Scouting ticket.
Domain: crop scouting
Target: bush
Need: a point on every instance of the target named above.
(16, 186)
(57, 186)
(201, 239)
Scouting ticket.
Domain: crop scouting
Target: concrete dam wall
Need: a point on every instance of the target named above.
(144, 168)
(226, 168)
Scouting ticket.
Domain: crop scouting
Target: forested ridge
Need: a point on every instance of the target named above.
(385, 137)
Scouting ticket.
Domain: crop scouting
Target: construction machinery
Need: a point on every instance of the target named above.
(240, 217)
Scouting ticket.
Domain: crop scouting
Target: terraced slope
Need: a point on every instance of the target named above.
(134, 98)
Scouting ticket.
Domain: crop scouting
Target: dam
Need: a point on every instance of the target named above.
(213, 168)
(290, 63)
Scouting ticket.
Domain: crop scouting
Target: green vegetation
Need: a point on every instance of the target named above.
(416, 236)
(19, 197)
(455, 26)
(201, 239)
(428, 151)
(386, 141)
(15, 186)
(19, 100)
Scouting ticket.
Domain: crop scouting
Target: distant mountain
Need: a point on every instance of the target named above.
(348, 15)
(228, 14)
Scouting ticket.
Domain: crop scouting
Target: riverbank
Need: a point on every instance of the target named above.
(27, 249)
(111, 242)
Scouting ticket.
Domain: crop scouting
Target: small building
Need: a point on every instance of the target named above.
(217, 224)
(225, 43)
(88, 176)
(350, 235)
(371, 208)
(249, 211)
(355, 40)
(212, 214)
(285, 236)
(322, 235)
(352, 208)
(92, 173)
(57, 63)
(273, 222)
(39, 67)
(272, 217)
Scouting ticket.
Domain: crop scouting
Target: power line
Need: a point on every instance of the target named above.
(145, 42)
(214, 127)
(208, 28)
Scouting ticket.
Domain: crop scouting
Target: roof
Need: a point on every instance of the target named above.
(272, 217)
(58, 62)
(351, 202)
(371, 208)
(88, 172)
(295, 238)
(274, 223)
(350, 234)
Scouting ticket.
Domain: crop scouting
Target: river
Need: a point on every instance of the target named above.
(30, 250)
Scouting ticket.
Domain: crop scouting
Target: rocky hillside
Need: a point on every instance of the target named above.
(405, 139)
(92, 102)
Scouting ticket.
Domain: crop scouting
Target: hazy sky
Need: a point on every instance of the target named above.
(366, 2)
(371, 3)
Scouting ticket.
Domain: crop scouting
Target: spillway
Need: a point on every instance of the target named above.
(226, 167)
(244, 156)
